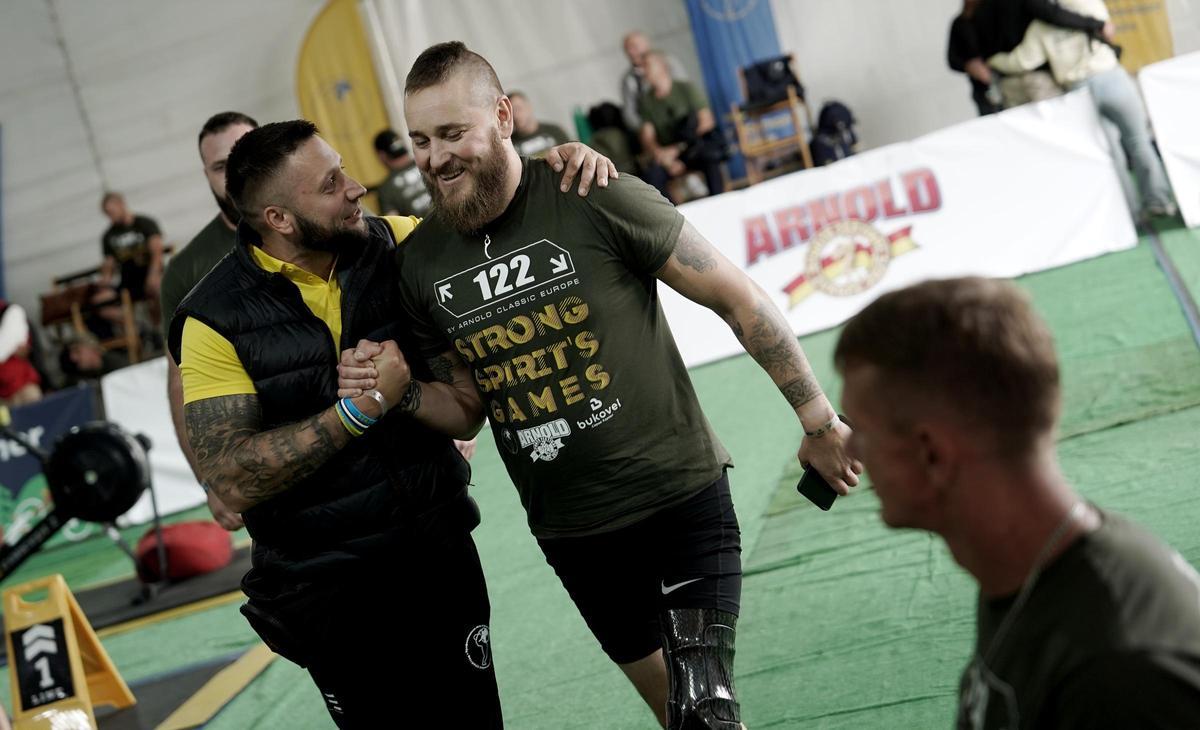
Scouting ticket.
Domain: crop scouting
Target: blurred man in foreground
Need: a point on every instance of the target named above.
(1085, 620)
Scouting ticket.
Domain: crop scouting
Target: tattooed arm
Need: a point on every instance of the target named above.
(449, 403)
(245, 465)
(699, 272)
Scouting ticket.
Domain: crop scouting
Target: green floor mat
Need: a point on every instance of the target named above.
(847, 624)
(98, 560)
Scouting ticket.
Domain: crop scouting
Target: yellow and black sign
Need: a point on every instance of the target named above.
(58, 669)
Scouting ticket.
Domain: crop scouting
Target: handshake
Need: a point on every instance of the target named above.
(378, 366)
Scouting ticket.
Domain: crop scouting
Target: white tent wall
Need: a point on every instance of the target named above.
(886, 59)
(1185, 25)
(149, 74)
(562, 54)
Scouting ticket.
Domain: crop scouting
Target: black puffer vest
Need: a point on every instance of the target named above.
(370, 500)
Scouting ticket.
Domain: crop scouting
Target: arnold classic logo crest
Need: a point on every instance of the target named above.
(847, 258)
(545, 440)
(479, 647)
(847, 253)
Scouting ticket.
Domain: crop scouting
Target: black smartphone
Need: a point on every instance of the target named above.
(814, 487)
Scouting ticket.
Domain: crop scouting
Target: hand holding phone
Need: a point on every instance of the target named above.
(814, 487)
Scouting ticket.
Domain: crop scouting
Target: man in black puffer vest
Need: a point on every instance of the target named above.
(361, 522)
(363, 557)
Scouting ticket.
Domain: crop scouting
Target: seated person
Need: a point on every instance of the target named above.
(134, 243)
(530, 137)
(82, 358)
(679, 132)
(402, 192)
(20, 382)
(633, 83)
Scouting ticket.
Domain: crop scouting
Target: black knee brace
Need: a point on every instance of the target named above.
(698, 643)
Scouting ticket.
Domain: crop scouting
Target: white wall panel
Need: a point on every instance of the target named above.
(150, 73)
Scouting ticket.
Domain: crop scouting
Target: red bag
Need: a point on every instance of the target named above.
(193, 548)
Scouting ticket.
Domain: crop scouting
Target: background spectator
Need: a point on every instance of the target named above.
(531, 137)
(678, 129)
(963, 54)
(402, 192)
(20, 382)
(999, 26)
(1077, 59)
(633, 83)
(82, 358)
(135, 244)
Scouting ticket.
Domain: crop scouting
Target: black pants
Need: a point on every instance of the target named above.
(657, 176)
(685, 556)
(408, 645)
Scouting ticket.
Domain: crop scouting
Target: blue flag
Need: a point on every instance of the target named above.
(731, 34)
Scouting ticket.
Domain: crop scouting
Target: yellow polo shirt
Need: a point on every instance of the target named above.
(210, 366)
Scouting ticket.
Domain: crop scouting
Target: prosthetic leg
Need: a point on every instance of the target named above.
(698, 643)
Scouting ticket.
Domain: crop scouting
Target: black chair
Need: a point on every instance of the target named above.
(770, 142)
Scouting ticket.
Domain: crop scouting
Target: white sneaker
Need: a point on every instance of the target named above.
(1160, 210)
(696, 187)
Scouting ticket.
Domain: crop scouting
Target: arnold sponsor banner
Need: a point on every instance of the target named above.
(1029, 189)
(1172, 92)
(25, 496)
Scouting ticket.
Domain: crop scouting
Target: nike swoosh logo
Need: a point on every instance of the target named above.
(667, 589)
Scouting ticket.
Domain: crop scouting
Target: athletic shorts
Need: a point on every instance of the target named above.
(685, 556)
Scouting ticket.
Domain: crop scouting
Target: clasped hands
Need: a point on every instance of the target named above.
(374, 366)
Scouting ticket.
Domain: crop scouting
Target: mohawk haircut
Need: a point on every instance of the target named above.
(439, 62)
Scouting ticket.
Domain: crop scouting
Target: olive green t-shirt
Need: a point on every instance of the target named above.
(546, 136)
(189, 266)
(1108, 638)
(666, 114)
(554, 307)
(403, 193)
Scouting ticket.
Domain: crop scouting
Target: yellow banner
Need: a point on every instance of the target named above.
(1143, 31)
(338, 90)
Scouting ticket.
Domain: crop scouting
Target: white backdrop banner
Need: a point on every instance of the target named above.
(1172, 92)
(1029, 189)
(135, 398)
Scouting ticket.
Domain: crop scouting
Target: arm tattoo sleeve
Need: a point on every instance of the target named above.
(767, 336)
(693, 251)
(240, 460)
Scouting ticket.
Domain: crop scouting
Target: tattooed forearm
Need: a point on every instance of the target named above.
(768, 337)
(693, 251)
(442, 368)
(801, 390)
(246, 465)
(411, 402)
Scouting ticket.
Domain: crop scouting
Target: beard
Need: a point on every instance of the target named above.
(485, 201)
(315, 237)
(227, 207)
